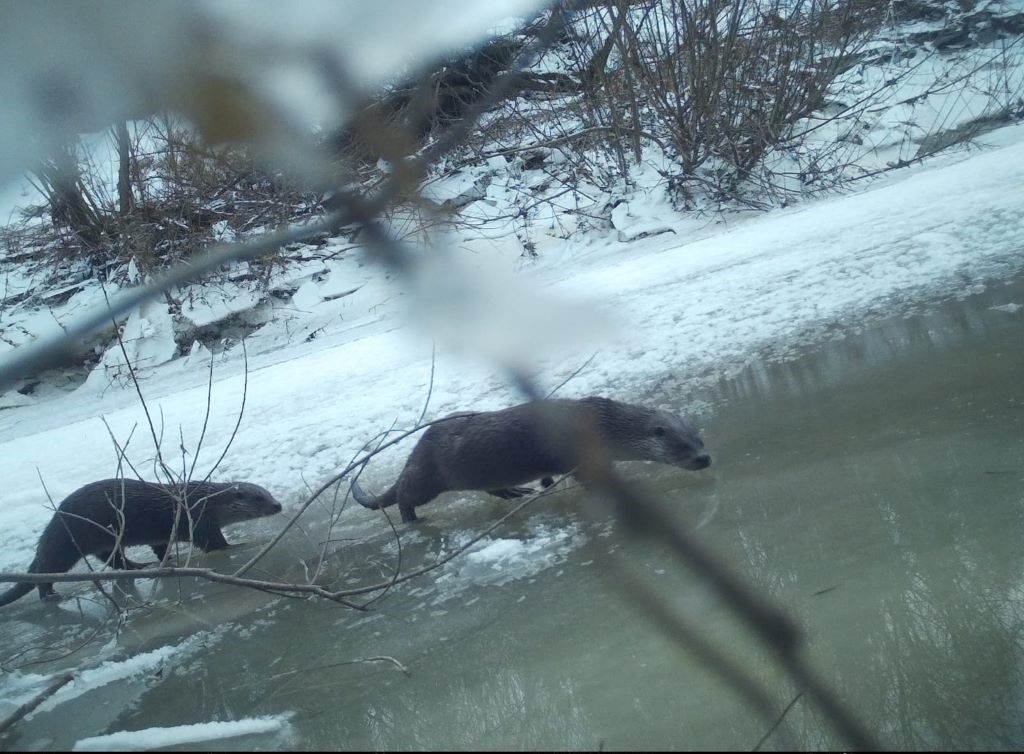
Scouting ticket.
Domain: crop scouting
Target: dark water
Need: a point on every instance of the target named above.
(872, 487)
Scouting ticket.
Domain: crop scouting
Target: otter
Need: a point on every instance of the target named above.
(496, 451)
(102, 518)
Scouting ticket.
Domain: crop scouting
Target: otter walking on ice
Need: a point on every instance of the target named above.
(496, 451)
(102, 518)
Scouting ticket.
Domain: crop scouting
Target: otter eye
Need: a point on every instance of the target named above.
(659, 431)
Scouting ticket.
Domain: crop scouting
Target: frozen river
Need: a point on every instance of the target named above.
(873, 487)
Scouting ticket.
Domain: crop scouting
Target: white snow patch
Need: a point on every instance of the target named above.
(121, 670)
(643, 215)
(178, 735)
(20, 687)
(148, 338)
(203, 306)
(497, 550)
(198, 355)
(500, 561)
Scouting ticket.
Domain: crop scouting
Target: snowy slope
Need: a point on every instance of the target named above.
(686, 312)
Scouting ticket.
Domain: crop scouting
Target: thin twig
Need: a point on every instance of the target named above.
(206, 420)
(335, 514)
(430, 387)
(398, 562)
(341, 663)
(138, 389)
(326, 485)
(45, 660)
(455, 553)
(175, 572)
(241, 412)
(55, 685)
(572, 376)
(778, 722)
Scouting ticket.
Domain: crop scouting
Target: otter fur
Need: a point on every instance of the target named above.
(102, 518)
(496, 451)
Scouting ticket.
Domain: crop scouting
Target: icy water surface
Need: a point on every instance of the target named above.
(873, 487)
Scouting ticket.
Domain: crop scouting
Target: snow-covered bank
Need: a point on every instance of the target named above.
(685, 310)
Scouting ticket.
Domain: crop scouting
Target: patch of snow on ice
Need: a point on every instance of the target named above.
(19, 687)
(497, 550)
(500, 561)
(178, 735)
(141, 664)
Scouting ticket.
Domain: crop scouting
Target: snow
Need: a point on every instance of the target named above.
(180, 735)
(500, 561)
(662, 301)
(677, 306)
(148, 338)
(20, 687)
(547, 541)
(216, 304)
(498, 550)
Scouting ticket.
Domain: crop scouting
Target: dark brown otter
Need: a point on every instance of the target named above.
(102, 518)
(498, 450)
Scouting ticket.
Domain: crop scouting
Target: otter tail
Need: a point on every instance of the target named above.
(16, 592)
(372, 502)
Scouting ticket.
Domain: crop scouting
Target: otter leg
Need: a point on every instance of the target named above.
(47, 592)
(160, 551)
(408, 513)
(210, 538)
(510, 493)
(547, 482)
(416, 487)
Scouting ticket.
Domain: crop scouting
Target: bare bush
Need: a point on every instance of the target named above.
(173, 196)
(720, 83)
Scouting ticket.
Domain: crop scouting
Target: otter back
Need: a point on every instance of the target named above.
(102, 518)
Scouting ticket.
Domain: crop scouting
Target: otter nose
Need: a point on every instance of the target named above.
(702, 461)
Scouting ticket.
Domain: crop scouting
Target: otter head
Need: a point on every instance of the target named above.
(661, 436)
(243, 501)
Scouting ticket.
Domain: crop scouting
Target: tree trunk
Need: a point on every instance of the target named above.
(125, 201)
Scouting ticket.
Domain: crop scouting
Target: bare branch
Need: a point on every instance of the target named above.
(56, 684)
(207, 574)
(241, 412)
(782, 716)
